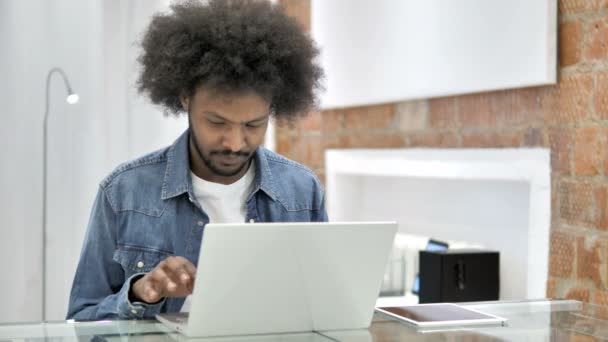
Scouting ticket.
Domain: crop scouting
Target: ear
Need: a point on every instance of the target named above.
(185, 101)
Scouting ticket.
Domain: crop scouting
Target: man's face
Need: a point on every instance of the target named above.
(225, 132)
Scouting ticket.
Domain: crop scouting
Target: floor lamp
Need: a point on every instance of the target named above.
(72, 98)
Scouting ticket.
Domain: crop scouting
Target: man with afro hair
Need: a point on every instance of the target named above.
(229, 65)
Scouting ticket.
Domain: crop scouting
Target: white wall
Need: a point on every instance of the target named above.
(493, 214)
(497, 198)
(388, 51)
(93, 42)
(21, 97)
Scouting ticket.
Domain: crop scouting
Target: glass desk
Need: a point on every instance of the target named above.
(541, 320)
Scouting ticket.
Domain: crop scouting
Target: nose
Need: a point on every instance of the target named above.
(234, 138)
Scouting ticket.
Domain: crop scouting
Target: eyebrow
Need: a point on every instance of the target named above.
(217, 116)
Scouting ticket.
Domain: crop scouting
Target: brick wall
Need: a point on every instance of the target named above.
(571, 119)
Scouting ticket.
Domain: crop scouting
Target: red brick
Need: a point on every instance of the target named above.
(290, 146)
(578, 293)
(554, 201)
(567, 102)
(534, 137)
(412, 115)
(326, 121)
(589, 151)
(574, 6)
(287, 126)
(551, 284)
(577, 337)
(601, 96)
(308, 150)
(570, 42)
(492, 139)
(298, 9)
(601, 207)
(372, 141)
(518, 107)
(312, 122)
(588, 261)
(561, 253)
(320, 172)
(477, 110)
(332, 120)
(442, 113)
(313, 149)
(369, 117)
(507, 108)
(601, 299)
(284, 145)
(605, 167)
(558, 287)
(560, 140)
(577, 203)
(432, 139)
(596, 43)
(281, 128)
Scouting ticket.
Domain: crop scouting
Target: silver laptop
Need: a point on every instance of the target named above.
(267, 278)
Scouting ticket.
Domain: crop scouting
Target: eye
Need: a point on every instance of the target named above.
(216, 123)
(253, 125)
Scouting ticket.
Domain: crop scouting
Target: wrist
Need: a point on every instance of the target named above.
(134, 295)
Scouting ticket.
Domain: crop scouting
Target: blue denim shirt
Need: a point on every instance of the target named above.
(145, 210)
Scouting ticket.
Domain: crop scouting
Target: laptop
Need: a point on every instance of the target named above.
(268, 278)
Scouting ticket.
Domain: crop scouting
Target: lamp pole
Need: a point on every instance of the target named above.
(72, 98)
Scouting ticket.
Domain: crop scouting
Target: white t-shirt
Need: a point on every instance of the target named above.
(223, 203)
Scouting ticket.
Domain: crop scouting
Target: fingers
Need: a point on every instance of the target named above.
(190, 270)
(173, 277)
(147, 288)
(155, 286)
(169, 278)
(181, 271)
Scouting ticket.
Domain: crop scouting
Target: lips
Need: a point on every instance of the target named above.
(230, 159)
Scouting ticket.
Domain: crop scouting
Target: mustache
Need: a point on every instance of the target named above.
(231, 153)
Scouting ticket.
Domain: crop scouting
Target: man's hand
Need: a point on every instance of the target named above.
(173, 277)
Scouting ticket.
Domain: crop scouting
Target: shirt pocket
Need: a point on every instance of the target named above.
(138, 260)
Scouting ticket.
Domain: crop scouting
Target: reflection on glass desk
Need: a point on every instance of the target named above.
(541, 320)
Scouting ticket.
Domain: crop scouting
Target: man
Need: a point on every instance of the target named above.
(229, 65)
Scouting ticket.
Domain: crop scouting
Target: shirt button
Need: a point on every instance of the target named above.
(134, 312)
(200, 223)
(140, 264)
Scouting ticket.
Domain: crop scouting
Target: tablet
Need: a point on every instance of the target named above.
(440, 315)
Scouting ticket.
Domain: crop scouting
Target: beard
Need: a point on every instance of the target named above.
(213, 159)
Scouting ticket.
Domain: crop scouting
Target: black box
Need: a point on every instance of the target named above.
(460, 275)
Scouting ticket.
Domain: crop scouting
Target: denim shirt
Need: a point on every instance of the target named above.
(145, 211)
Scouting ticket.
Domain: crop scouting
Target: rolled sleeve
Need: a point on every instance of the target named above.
(136, 310)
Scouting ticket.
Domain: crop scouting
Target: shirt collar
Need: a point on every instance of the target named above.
(177, 179)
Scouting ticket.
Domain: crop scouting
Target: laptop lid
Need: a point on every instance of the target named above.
(256, 278)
